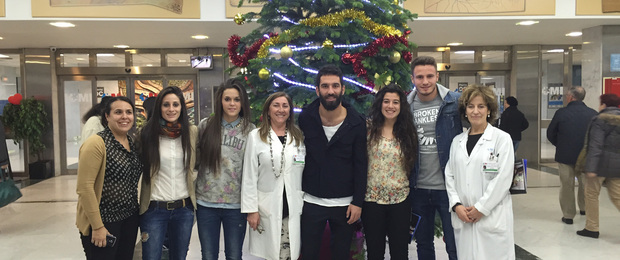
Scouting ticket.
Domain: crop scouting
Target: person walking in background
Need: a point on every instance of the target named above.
(567, 131)
(392, 150)
(478, 177)
(334, 177)
(602, 161)
(223, 140)
(167, 197)
(513, 121)
(271, 192)
(436, 117)
(92, 119)
(107, 186)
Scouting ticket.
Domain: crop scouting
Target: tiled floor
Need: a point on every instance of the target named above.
(41, 224)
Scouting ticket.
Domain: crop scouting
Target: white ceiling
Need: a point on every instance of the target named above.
(176, 34)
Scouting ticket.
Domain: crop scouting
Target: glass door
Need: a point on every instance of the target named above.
(77, 99)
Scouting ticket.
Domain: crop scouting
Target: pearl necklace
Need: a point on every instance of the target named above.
(273, 167)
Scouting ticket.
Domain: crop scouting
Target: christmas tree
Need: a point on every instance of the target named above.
(367, 39)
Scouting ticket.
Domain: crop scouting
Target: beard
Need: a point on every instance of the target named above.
(330, 105)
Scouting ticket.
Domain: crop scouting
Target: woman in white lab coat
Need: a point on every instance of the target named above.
(478, 177)
(271, 187)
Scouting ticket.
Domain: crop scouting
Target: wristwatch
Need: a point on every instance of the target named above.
(455, 205)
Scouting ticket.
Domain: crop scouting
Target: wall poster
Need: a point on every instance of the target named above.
(183, 9)
(232, 9)
(446, 8)
(597, 7)
(555, 94)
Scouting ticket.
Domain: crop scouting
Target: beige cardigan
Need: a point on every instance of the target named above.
(91, 172)
(145, 191)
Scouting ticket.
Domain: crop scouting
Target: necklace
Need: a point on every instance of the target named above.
(273, 166)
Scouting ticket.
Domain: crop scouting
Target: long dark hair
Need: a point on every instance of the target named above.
(211, 137)
(404, 130)
(265, 124)
(149, 137)
(97, 109)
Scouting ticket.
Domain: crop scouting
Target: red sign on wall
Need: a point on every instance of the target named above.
(611, 85)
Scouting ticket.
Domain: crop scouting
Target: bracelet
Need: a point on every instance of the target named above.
(455, 205)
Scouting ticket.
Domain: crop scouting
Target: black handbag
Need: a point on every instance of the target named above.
(8, 191)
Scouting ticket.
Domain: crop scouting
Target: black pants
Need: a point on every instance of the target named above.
(125, 232)
(313, 222)
(391, 220)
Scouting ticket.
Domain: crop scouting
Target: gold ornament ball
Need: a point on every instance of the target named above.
(328, 44)
(263, 74)
(396, 2)
(239, 19)
(394, 57)
(286, 52)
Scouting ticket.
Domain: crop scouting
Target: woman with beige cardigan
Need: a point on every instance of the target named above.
(107, 186)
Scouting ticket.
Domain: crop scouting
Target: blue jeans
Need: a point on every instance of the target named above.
(210, 220)
(156, 222)
(515, 145)
(425, 203)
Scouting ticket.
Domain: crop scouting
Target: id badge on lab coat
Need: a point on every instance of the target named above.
(490, 165)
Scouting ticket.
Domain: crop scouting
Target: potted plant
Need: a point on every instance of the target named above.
(27, 120)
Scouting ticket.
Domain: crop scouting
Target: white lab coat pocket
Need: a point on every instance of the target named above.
(494, 222)
(265, 203)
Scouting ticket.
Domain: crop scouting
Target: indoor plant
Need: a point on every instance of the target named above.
(27, 120)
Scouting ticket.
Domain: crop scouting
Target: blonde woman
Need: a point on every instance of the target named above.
(271, 192)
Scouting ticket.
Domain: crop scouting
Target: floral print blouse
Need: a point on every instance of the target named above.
(387, 178)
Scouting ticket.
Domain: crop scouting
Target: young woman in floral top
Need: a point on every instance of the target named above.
(220, 154)
(392, 148)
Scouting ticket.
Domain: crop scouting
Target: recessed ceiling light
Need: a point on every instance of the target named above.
(455, 44)
(63, 24)
(105, 55)
(486, 78)
(149, 65)
(3, 56)
(527, 22)
(556, 50)
(574, 34)
(80, 59)
(182, 60)
(121, 46)
(586, 42)
(1, 38)
(200, 37)
(464, 52)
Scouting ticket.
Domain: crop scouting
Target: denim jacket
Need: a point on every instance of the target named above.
(448, 126)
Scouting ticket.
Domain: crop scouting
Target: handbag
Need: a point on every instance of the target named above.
(519, 178)
(8, 191)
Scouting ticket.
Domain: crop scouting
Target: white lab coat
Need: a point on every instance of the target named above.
(492, 237)
(261, 191)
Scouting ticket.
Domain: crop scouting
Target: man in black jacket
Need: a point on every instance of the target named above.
(567, 131)
(513, 121)
(334, 177)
